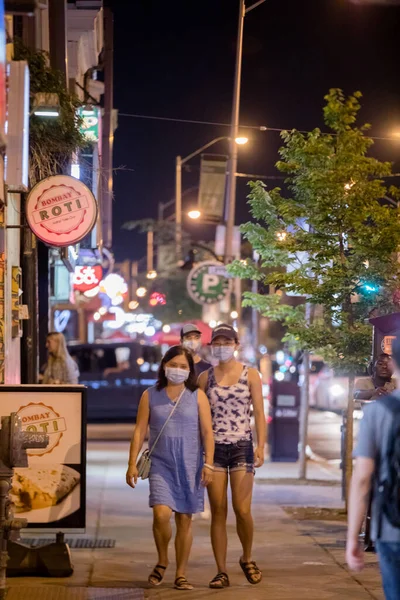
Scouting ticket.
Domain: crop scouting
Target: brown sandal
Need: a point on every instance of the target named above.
(251, 571)
(155, 574)
(221, 580)
(181, 583)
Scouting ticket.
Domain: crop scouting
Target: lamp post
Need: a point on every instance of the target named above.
(231, 176)
(238, 140)
(178, 191)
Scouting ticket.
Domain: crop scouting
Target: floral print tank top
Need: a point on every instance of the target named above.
(230, 409)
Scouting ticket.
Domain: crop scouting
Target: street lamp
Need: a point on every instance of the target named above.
(237, 140)
(141, 292)
(194, 214)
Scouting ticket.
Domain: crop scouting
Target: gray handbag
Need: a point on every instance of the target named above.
(143, 465)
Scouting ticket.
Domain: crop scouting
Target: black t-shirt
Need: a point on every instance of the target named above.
(201, 366)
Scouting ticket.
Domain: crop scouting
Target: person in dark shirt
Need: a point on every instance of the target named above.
(191, 340)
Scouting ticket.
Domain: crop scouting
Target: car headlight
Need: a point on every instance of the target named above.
(337, 390)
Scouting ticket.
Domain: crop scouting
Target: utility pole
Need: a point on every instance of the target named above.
(150, 251)
(232, 165)
(178, 208)
(233, 152)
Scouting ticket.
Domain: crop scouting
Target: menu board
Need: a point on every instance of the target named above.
(51, 492)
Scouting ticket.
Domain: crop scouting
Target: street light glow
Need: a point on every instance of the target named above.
(241, 140)
(151, 275)
(194, 214)
(234, 314)
(141, 292)
(133, 304)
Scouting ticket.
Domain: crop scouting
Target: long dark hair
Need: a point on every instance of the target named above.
(162, 381)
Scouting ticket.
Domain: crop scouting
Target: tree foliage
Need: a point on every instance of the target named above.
(52, 142)
(333, 241)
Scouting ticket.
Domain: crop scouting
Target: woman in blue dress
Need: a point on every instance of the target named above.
(182, 460)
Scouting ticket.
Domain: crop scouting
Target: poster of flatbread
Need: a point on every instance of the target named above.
(50, 492)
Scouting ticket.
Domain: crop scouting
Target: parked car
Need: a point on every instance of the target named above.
(116, 375)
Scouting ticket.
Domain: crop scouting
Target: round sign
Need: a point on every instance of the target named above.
(61, 210)
(208, 283)
(41, 418)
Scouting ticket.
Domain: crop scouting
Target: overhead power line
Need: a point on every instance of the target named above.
(217, 124)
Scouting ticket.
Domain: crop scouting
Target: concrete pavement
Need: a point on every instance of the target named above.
(302, 560)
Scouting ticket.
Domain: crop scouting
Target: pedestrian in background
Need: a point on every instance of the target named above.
(179, 471)
(377, 470)
(380, 383)
(61, 367)
(191, 340)
(232, 390)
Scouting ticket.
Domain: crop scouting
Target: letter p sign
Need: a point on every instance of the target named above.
(210, 283)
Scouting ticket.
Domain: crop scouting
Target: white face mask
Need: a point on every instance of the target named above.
(223, 353)
(176, 375)
(192, 345)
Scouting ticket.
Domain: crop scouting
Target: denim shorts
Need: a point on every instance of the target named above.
(238, 456)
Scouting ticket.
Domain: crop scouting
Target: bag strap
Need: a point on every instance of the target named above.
(167, 421)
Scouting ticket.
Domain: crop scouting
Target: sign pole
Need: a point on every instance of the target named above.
(30, 348)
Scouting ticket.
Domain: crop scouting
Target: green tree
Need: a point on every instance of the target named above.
(52, 142)
(332, 242)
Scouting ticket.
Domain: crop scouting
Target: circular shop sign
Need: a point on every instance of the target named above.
(208, 283)
(40, 418)
(61, 210)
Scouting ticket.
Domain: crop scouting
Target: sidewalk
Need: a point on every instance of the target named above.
(299, 559)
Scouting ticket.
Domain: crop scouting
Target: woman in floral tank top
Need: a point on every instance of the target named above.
(233, 390)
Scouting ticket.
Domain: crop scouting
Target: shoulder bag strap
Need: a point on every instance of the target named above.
(167, 421)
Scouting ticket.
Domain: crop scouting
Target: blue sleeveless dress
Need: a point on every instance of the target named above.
(177, 460)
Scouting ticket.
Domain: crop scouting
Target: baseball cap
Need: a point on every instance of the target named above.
(189, 328)
(226, 331)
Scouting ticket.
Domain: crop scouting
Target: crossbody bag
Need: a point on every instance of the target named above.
(143, 465)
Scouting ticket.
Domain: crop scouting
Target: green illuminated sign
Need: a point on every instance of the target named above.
(90, 122)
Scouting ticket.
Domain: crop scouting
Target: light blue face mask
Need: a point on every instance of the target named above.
(192, 345)
(223, 353)
(176, 375)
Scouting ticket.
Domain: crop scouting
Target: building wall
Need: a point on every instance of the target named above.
(12, 349)
(2, 274)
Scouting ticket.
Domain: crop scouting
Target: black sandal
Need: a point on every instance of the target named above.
(181, 583)
(221, 580)
(155, 574)
(251, 571)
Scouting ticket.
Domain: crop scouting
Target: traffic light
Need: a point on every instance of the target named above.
(370, 288)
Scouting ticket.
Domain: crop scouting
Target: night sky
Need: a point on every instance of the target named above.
(176, 59)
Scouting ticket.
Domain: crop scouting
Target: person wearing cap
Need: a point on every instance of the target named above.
(191, 340)
(233, 390)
